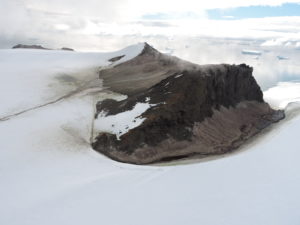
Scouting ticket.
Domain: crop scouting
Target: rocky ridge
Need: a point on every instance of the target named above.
(195, 110)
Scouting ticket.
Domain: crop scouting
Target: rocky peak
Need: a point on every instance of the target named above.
(149, 50)
(143, 71)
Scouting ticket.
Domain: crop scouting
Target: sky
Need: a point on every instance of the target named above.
(105, 25)
(257, 11)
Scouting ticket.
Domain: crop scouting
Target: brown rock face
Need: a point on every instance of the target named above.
(203, 110)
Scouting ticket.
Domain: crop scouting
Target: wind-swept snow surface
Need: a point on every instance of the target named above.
(50, 175)
(30, 78)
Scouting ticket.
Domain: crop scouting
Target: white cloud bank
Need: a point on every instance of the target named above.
(124, 9)
(84, 24)
(105, 26)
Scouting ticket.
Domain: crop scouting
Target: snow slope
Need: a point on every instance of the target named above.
(33, 77)
(283, 94)
(50, 175)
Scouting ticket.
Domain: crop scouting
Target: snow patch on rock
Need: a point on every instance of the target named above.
(121, 123)
(179, 75)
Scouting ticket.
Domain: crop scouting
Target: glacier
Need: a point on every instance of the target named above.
(49, 174)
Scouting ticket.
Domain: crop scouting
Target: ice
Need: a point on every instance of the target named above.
(282, 57)
(282, 94)
(251, 52)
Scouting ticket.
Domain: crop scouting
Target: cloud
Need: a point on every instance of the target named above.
(59, 22)
(268, 70)
(13, 16)
(109, 25)
(155, 23)
(61, 26)
(120, 10)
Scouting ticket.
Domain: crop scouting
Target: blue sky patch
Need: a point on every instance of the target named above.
(288, 9)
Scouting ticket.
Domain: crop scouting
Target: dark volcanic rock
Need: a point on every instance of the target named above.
(30, 47)
(117, 58)
(205, 110)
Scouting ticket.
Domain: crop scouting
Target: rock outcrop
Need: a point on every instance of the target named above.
(30, 47)
(205, 110)
(39, 47)
(67, 49)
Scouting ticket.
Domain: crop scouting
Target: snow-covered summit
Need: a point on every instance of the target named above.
(130, 52)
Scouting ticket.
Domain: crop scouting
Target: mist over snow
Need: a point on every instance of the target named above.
(268, 68)
(109, 25)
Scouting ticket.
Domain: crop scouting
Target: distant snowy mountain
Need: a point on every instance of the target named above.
(50, 175)
(251, 52)
(282, 58)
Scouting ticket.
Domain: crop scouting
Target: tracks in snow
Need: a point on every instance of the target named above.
(85, 89)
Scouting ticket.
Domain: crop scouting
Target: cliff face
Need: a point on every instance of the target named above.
(193, 109)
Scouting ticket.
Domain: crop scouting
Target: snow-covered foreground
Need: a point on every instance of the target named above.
(50, 175)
